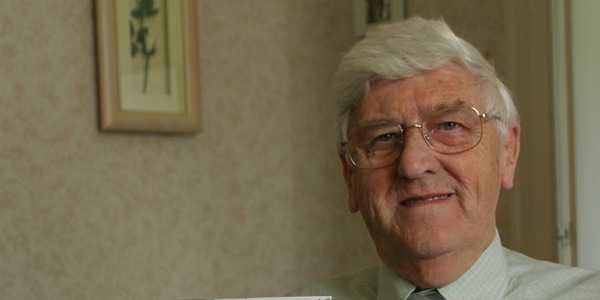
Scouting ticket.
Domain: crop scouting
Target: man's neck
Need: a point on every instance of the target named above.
(438, 271)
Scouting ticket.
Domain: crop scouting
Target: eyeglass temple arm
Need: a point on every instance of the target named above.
(489, 116)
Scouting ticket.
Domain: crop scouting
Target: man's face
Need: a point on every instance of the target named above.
(429, 204)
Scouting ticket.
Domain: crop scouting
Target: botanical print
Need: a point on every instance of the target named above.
(139, 33)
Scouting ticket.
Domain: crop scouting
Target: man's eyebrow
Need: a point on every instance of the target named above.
(450, 104)
(429, 109)
(369, 122)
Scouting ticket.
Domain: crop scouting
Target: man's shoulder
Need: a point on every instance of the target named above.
(358, 284)
(549, 278)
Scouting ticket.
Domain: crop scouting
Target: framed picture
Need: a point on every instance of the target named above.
(369, 13)
(148, 65)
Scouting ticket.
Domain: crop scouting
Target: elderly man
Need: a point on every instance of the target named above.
(428, 138)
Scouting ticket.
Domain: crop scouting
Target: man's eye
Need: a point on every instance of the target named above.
(385, 137)
(449, 125)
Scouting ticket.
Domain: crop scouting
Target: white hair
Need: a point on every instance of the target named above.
(403, 49)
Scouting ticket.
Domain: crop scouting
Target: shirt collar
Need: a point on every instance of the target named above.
(486, 279)
(392, 286)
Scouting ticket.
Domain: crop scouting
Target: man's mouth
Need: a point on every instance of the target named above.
(417, 200)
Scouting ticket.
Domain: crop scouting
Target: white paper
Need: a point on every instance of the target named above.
(283, 298)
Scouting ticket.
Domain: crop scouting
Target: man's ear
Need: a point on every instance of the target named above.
(511, 152)
(348, 171)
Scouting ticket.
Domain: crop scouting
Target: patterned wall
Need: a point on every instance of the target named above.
(252, 206)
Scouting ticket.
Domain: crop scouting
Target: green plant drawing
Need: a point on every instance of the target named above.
(139, 36)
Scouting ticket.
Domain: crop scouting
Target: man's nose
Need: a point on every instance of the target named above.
(417, 158)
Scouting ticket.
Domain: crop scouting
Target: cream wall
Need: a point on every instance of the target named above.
(586, 165)
(252, 206)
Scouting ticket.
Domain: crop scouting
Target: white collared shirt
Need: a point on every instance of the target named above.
(499, 273)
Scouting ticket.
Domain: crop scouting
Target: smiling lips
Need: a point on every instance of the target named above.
(418, 200)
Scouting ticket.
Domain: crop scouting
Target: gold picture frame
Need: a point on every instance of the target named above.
(148, 66)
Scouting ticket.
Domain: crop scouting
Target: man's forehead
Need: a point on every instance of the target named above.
(449, 79)
(402, 104)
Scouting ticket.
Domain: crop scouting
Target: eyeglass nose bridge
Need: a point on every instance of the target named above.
(420, 126)
(425, 136)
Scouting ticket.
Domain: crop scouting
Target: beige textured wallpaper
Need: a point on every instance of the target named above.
(252, 206)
